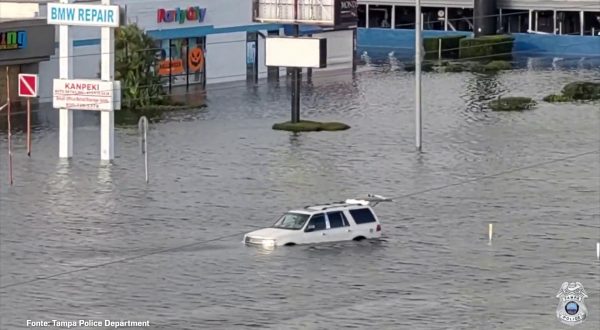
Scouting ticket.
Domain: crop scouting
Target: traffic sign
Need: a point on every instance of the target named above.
(28, 85)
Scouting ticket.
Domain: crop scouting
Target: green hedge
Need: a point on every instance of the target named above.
(577, 91)
(487, 47)
(450, 46)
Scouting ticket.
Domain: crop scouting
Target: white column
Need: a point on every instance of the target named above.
(393, 19)
(554, 19)
(445, 18)
(107, 118)
(500, 23)
(65, 54)
(529, 28)
(581, 25)
(536, 20)
(367, 16)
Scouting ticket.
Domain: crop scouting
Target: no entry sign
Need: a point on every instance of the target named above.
(28, 85)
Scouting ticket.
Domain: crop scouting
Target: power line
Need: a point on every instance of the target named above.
(42, 278)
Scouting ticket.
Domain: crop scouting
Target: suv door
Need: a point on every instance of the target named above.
(316, 229)
(366, 222)
(339, 227)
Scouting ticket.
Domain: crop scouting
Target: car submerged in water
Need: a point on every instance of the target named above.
(352, 219)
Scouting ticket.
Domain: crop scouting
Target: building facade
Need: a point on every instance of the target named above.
(197, 42)
(561, 17)
(25, 44)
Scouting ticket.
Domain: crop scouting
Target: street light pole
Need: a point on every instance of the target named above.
(418, 43)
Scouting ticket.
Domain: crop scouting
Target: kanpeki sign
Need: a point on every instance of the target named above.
(193, 13)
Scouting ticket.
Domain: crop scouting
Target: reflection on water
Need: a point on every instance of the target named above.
(173, 250)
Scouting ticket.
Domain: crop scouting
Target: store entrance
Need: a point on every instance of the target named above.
(182, 62)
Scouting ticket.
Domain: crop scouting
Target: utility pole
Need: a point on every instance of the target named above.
(418, 43)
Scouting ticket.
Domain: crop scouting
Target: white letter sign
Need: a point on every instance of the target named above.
(83, 15)
(82, 94)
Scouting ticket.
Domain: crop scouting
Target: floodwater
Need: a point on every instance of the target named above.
(85, 240)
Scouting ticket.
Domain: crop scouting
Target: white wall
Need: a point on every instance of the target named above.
(224, 60)
(18, 10)
(339, 50)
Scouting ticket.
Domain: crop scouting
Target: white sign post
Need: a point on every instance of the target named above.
(77, 94)
(107, 73)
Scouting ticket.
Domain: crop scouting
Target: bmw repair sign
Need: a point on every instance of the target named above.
(83, 15)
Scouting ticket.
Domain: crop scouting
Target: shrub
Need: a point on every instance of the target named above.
(487, 47)
(557, 98)
(513, 103)
(450, 46)
(582, 90)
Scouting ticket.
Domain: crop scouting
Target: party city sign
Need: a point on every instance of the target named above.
(83, 15)
(194, 13)
(13, 40)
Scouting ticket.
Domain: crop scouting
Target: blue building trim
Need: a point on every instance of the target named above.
(200, 31)
(188, 32)
(86, 42)
(377, 42)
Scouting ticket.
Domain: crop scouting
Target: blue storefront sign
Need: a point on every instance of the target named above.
(10, 40)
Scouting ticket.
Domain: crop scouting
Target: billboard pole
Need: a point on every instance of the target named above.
(418, 43)
(65, 139)
(107, 118)
(296, 86)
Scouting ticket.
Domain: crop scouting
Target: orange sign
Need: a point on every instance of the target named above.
(173, 67)
(196, 59)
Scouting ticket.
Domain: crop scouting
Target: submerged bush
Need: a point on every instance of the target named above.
(557, 98)
(582, 90)
(576, 91)
(512, 103)
(310, 126)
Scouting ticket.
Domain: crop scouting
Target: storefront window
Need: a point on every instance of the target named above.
(181, 62)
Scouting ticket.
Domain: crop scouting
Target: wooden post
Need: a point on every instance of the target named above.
(10, 174)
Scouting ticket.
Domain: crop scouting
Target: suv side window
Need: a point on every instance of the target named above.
(337, 219)
(362, 216)
(318, 220)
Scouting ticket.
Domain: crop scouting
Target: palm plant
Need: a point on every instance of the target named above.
(134, 62)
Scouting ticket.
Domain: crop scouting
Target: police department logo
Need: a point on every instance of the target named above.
(571, 309)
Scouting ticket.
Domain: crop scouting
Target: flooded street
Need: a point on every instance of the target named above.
(82, 240)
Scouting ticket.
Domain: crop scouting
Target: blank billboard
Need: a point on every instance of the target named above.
(293, 52)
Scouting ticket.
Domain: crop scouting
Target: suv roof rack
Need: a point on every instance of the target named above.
(371, 199)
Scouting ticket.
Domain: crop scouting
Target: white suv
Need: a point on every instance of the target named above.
(353, 219)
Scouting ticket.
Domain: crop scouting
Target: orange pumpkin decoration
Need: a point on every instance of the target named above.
(196, 59)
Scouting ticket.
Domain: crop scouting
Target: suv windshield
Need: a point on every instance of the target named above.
(291, 221)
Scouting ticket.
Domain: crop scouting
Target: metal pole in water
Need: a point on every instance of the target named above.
(143, 128)
(296, 80)
(490, 232)
(28, 127)
(418, 42)
(10, 169)
(598, 250)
